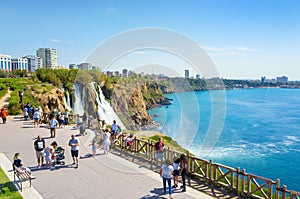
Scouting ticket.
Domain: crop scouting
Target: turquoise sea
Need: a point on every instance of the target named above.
(254, 129)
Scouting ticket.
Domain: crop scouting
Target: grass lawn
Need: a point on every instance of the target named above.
(7, 189)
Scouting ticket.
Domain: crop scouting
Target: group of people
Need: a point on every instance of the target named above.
(175, 168)
(47, 155)
(169, 169)
(36, 114)
(50, 152)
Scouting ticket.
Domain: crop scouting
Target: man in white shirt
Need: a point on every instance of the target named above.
(53, 124)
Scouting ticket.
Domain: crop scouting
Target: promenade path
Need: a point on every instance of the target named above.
(4, 100)
(106, 176)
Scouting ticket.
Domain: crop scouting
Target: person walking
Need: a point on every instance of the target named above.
(114, 129)
(36, 117)
(94, 147)
(106, 141)
(66, 116)
(166, 173)
(53, 124)
(74, 144)
(183, 170)
(39, 146)
(176, 163)
(4, 115)
(159, 150)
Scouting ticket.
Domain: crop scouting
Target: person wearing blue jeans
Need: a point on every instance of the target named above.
(166, 172)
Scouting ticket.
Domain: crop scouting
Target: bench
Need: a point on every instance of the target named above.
(22, 176)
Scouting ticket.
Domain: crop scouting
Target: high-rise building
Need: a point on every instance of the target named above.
(49, 57)
(5, 63)
(283, 79)
(34, 63)
(186, 73)
(19, 64)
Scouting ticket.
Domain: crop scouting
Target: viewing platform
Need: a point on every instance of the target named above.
(108, 176)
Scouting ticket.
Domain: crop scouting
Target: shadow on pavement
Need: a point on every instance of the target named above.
(156, 194)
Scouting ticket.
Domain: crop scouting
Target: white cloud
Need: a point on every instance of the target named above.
(55, 40)
(242, 49)
(229, 50)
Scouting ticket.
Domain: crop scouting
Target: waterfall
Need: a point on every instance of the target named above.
(67, 100)
(78, 104)
(105, 111)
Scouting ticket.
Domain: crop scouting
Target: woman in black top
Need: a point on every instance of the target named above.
(183, 167)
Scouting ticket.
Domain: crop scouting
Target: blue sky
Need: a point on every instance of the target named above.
(244, 38)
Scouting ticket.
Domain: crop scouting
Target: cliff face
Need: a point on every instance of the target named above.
(128, 103)
(131, 100)
(53, 99)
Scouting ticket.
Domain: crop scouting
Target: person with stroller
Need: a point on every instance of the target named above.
(50, 156)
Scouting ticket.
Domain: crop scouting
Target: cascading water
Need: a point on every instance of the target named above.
(79, 99)
(67, 99)
(105, 111)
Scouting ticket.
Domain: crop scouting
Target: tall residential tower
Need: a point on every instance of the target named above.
(49, 57)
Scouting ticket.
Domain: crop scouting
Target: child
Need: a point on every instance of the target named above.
(94, 147)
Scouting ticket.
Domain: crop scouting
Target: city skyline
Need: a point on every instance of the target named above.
(244, 39)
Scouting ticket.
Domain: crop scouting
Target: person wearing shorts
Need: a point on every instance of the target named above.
(74, 144)
(39, 146)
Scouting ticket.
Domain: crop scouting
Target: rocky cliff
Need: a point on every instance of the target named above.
(49, 100)
(131, 100)
(128, 103)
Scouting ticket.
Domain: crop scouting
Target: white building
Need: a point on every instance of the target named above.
(5, 62)
(19, 64)
(49, 57)
(34, 62)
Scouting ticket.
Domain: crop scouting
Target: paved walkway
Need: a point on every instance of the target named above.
(106, 176)
(4, 100)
